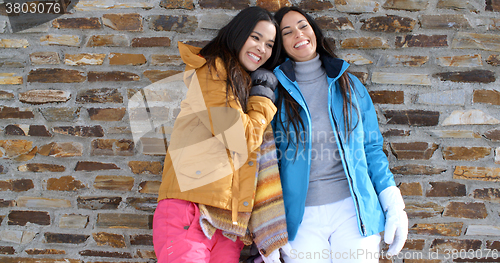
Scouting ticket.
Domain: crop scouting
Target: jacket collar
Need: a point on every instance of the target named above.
(334, 67)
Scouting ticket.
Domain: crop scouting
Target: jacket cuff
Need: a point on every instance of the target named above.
(262, 91)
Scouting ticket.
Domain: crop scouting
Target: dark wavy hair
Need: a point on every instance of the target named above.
(227, 45)
(291, 107)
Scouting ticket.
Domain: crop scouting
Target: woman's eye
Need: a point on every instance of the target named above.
(286, 33)
(270, 46)
(255, 37)
(303, 26)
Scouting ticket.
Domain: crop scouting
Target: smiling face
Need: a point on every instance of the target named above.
(299, 39)
(258, 47)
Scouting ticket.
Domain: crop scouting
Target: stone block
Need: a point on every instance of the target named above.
(364, 43)
(402, 60)
(106, 114)
(489, 42)
(151, 42)
(421, 41)
(84, 59)
(141, 240)
(145, 167)
(493, 5)
(14, 148)
(10, 79)
(177, 4)
(466, 210)
(123, 22)
(65, 238)
(15, 113)
(115, 147)
(469, 117)
(444, 22)
(6, 95)
(395, 132)
(149, 187)
(414, 244)
(94, 76)
(389, 24)
(448, 97)
(103, 95)
(423, 210)
(44, 96)
(37, 260)
(21, 218)
(401, 78)
(455, 244)
(42, 58)
(357, 6)
(41, 168)
(94, 166)
(413, 150)
(126, 59)
(80, 131)
(109, 239)
(14, 43)
(180, 24)
(491, 174)
(486, 96)
(387, 97)
(493, 60)
(73, 221)
(34, 202)
(334, 23)
(230, 4)
(165, 60)
(412, 117)
(114, 182)
(356, 59)
(108, 41)
(417, 169)
(465, 153)
(446, 189)
(99, 5)
(437, 229)
(411, 189)
(77, 23)
(64, 183)
(147, 204)
(60, 40)
(493, 134)
(157, 75)
(482, 230)
(55, 75)
(409, 5)
(62, 149)
(460, 61)
(106, 254)
(27, 130)
(273, 5)
(36, 251)
(22, 185)
(472, 76)
(60, 114)
(127, 221)
(97, 203)
(459, 5)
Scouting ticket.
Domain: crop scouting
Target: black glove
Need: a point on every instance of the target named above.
(263, 84)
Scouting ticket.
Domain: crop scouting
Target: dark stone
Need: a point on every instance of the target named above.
(493, 5)
(143, 203)
(422, 41)
(181, 24)
(99, 96)
(39, 130)
(412, 117)
(94, 76)
(65, 238)
(12, 129)
(141, 240)
(95, 203)
(472, 76)
(55, 75)
(7, 203)
(315, 5)
(82, 131)
(15, 113)
(21, 218)
(493, 135)
(387, 97)
(95, 253)
(389, 24)
(151, 42)
(416, 169)
(446, 189)
(7, 250)
(94, 166)
(228, 4)
(396, 132)
(77, 23)
(22, 185)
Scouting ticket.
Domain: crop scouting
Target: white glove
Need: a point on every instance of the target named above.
(274, 257)
(396, 220)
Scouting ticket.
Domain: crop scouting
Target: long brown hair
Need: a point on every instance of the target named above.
(291, 107)
(227, 45)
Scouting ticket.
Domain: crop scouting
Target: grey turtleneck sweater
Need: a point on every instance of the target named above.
(327, 180)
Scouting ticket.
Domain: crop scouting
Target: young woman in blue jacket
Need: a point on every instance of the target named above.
(338, 190)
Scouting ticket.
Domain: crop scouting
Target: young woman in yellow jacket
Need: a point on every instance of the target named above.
(212, 156)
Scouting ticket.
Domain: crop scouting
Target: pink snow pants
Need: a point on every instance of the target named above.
(178, 238)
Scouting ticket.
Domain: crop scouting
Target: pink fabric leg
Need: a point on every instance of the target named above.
(224, 249)
(177, 236)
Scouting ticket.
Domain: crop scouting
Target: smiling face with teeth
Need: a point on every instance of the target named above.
(258, 47)
(299, 39)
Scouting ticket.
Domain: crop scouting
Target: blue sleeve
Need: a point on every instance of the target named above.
(378, 165)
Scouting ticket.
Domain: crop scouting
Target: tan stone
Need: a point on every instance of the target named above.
(454, 134)
(157, 75)
(413, 150)
(466, 210)
(109, 239)
(402, 60)
(487, 194)
(10, 79)
(60, 40)
(489, 42)
(423, 210)
(493, 60)
(60, 114)
(272, 5)
(14, 43)
(36, 251)
(455, 4)
(411, 189)
(63, 149)
(126, 59)
(178, 4)
(364, 43)
(420, 40)
(38, 202)
(77, 23)
(44, 96)
(444, 22)
(114, 182)
(441, 229)
(14, 148)
(101, 5)
(123, 22)
(106, 114)
(55, 75)
(416, 169)
(73, 221)
(460, 61)
(487, 96)
(400, 78)
(41, 58)
(148, 254)
(112, 147)
(490, 174)
(469, 117)
(108, 41)
(357, 6)
(94, 76)
(410, 5)
(356, 59)
(41, 167)
(145, 167)
(181, 23)
(64, 183)
(334, 23)
(5, 95)
(84, 59)
(127, 221)
(165, 60)
(465, 153)
(149, 187)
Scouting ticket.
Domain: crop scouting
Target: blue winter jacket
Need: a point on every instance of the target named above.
(364, 161)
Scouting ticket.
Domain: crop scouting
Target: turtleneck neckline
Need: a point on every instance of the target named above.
(309, 70)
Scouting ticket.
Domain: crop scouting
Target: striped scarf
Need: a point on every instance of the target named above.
(266, 224)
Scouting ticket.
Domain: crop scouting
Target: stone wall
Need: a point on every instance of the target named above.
(75, 187)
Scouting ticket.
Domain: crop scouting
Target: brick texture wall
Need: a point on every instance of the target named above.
(74, 187)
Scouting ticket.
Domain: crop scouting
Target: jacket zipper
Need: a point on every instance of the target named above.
(348, 173)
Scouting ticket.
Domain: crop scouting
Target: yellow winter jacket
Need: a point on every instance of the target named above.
(212, 155)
